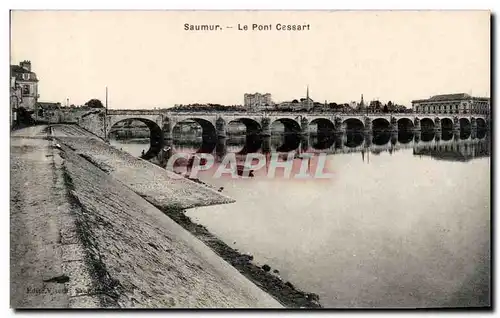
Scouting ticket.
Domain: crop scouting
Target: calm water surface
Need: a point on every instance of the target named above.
(393, 228)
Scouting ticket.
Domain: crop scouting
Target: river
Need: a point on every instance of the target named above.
(406, 224)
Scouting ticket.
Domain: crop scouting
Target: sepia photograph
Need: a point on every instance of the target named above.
(250, 159)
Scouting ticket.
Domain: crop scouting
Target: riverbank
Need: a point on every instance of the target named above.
(172, 206)
(263, 276)
(82, 239)
(172, 196)
(284, 292)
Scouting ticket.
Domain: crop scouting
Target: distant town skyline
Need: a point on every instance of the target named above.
(148, 60)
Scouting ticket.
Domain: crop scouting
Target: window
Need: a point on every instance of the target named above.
(26, 89)
(26, 76)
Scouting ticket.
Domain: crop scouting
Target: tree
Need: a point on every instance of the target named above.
(94, 103)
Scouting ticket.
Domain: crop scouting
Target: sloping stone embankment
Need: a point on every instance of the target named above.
(84, 239)
(161, 187)
(140, 258)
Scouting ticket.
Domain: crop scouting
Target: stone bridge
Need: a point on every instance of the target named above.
(162, 122)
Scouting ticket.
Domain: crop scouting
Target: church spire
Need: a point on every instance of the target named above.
(307, 97)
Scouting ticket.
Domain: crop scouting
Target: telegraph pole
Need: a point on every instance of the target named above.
(106, 100)
(105, 115)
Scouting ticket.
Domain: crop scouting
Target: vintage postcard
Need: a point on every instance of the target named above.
(250, 159)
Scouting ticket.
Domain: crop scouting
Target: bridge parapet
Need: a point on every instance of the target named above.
(98, 122)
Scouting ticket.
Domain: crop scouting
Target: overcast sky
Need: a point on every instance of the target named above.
(148, 60)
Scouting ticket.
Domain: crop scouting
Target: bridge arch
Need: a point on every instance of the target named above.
(323, 136)
(324, 126)
(465, 134)
(208, 133)
(251, 125)
(481, 134)
(405, 124)
(380, 124)
(290, 139)
(381, 138)
(155, 135)
(252, 138)
(427, 123)
(446, 123)
(353, 124)
(464, 123)
(446, 134)
(481, 123)
(405, 137)
(290, 125)
(427, 136)
(354, 139)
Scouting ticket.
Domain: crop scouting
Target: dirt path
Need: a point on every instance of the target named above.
(36, 204)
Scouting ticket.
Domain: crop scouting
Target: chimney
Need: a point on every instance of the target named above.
(26, 65)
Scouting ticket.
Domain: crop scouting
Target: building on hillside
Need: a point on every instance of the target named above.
(16, 98)
(304, 104)
(48, 111)
(22, 76)
(258, 101)
(461, 103)
(361, 106)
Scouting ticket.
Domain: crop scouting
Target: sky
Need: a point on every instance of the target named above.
(147, 59)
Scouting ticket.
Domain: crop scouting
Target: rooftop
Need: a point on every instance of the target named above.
(450, 96)
(18, 71)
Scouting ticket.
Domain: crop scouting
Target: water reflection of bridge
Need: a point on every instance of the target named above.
(443, 145)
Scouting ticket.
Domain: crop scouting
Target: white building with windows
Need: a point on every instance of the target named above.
(22, 77)
(258, 101)
(452, 104)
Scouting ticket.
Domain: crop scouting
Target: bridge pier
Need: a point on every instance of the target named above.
(344, 139)
(437, 136)
(417, 136)
(220, 149)
(304, 125)
(265, 123)
(394, 125)
(167, 130)
(339, 128)
(473, 123)
(266, 144)
(437, 125)
(456, 124)
(416, 125)
(473, 134)
(304, 142)
(368, 125)
(339, 141)
(368, 139)
(220, 127)
(394, 137)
